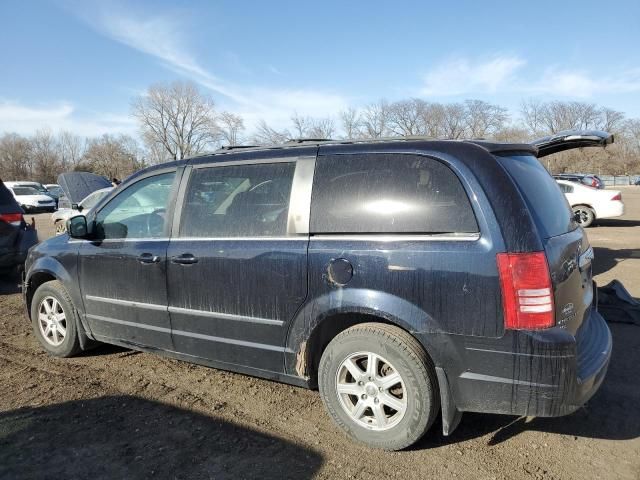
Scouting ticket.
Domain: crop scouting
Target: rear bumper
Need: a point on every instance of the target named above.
(39, 208)
(614, 208)
(547, 373)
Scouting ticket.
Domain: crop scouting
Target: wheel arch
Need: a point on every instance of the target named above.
(324, 318)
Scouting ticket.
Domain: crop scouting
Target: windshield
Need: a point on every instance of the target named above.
(94, 198)
(548, 204)
(25, 191)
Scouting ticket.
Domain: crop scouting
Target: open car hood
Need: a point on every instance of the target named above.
(568, 139)
(77, 185)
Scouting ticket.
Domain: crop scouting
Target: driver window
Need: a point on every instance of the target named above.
(238, 201)
(137, 212)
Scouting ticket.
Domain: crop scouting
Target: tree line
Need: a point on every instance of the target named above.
(177, 120)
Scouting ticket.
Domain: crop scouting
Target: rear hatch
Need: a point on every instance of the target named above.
(565, 244)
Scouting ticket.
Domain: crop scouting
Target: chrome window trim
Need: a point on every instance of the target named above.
(235, 239)
(231, 163)
(200, 336)
(385, 237)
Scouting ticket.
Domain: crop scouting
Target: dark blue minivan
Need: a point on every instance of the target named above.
(402, 278)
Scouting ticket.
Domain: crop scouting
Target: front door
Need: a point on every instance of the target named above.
(236, 273)
(123, 271)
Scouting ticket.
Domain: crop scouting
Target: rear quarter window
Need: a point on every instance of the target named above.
(388, 193)
(548, 205)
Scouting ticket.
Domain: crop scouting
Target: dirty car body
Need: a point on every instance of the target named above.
(257, 260)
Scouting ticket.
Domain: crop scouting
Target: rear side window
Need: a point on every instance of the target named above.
(388, 193)
(547, 203)
(238, 201)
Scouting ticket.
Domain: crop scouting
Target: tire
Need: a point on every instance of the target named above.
(61, 227)
(365, 408)
(584, 215)
(61, 339)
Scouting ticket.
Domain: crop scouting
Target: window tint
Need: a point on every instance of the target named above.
(565, 188)
(238, 201)
(546, 201)
(137, 212)
(388, 193)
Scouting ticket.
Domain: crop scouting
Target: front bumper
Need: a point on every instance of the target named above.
(548, 373)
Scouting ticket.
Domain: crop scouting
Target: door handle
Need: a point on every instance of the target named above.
(184, 259)
(148, 258)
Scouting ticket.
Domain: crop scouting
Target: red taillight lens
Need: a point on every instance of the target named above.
(617, 197)
(527, 295)
(12, 218)
(594, 182)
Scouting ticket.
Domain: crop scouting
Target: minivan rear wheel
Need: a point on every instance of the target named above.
(379, 385)
(584, 215)
(55, 320)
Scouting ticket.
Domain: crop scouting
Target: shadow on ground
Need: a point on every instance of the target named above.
(607, 258)
(612, 414)
(130, 437)
(616, 222)
(9, 283)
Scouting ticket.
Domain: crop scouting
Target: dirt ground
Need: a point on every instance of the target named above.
(115, 413)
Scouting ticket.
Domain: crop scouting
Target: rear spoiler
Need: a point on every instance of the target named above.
(568, 139)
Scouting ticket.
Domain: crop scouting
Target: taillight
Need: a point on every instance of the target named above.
(594, 182)
(12, 218)
(527, 294)
(617, 197)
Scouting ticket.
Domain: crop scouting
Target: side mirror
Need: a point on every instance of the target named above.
(76, 206)
(77, 226)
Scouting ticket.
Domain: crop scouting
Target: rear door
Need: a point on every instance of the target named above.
(237, 261)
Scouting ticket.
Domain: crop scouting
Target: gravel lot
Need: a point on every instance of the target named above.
(115, 413)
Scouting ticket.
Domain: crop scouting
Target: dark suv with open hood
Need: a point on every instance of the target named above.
(403, 278)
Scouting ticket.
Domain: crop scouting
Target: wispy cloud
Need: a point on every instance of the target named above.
(162, 36)
(26, 119)
(507, 74)
(460, 76)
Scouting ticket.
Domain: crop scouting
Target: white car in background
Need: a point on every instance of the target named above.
(589, 204)
(31, 200)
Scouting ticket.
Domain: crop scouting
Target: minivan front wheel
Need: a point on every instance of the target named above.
(54, 320)
(379, 385)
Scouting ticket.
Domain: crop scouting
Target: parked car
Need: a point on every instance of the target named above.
(589, 180)
(60, 217)
(37, 185)
(16, 236)
(405, 279)
(589, 204)
(55, 191)
(31, 200)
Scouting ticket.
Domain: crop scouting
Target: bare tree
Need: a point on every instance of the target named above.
(230, 127)
(265, 135)
(45, 156)
(532, 112)
(406, 117)
(70, 149)
(454, 121)
(15, 157)
(178, 117)
(484, 119)
(610, 120)
(350, 120)
(375, 119)
(113, 156)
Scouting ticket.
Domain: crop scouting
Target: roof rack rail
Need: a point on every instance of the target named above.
(225, 148)
(309, 140)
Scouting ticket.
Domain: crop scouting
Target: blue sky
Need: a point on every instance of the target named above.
(76, 65)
